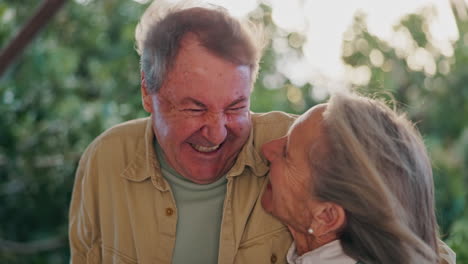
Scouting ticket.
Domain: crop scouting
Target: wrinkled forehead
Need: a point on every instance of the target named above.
(310, 120)
(308, 131)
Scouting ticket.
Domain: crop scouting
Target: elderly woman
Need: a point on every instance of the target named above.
(353, 183)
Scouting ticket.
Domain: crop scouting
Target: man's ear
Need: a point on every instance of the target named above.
(330, 218)
(146, 99)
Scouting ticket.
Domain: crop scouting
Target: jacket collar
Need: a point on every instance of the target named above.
(146, 165)
(249, 157)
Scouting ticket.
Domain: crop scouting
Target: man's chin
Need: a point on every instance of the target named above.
(266, 202)
(206, 179)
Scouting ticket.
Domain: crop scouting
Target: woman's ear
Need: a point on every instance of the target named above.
(146, 99)
(329, 219)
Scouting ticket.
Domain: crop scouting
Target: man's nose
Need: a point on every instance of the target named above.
(215, 128)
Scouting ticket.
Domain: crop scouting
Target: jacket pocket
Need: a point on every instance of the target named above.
(271, 247)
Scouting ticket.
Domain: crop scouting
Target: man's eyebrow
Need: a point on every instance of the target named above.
(239, 100)
(187, 100)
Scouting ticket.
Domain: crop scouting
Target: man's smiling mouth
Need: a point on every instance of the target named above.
(205, 149)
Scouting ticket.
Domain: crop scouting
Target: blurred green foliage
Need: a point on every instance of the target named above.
(81, 75)
(435, 96)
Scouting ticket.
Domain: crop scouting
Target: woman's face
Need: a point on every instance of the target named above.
(288, 195)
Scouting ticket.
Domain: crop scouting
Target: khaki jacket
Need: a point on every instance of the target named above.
(123, 210)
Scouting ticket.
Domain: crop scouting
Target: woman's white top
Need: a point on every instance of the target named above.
(331, 253)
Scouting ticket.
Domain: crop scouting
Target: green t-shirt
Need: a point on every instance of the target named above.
(199, 210)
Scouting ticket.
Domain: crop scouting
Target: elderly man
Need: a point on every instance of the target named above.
(183, 185)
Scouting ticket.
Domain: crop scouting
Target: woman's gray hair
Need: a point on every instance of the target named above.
(162, 27)
(377, 168)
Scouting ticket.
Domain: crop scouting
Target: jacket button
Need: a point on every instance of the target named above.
(273, 258)
(169, 211)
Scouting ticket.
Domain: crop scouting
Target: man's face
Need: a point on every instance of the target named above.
(201, 115)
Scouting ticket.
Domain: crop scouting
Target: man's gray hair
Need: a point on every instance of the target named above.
(162, 28)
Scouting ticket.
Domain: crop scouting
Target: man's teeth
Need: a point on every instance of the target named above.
(205, 149)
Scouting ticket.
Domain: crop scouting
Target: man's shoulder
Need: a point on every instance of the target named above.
(273, 117)
(127, 135)
(127, 130)
(271, 125)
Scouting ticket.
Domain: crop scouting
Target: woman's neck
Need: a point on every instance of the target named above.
(306, 242)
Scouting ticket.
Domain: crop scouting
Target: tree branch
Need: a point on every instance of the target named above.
(27, 33)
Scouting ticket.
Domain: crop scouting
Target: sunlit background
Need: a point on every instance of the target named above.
(81, 76)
